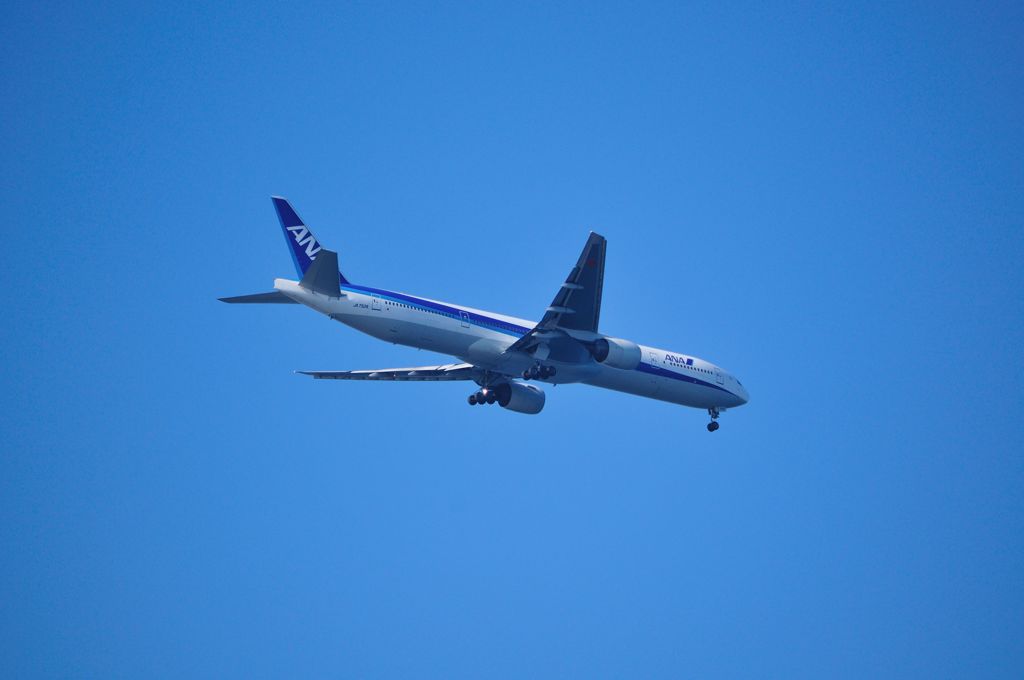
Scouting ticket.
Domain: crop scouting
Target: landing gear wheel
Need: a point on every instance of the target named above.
(491, 398)
(472, 400)
(712, 426)
(526, 374)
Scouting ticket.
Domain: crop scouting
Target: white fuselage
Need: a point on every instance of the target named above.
(481, 338)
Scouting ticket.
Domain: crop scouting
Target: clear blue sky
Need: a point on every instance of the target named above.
(826, 201)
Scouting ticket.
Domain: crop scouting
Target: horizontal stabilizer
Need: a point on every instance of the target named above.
(322, 275)
(274, 297)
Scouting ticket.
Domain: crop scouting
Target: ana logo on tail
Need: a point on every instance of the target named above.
(303, 237)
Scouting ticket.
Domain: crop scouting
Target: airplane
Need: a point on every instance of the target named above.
(501, 354)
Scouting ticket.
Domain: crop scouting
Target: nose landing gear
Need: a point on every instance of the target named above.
(714, 413)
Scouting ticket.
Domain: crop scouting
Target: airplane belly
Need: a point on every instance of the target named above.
(631, 382)
(454, 343)
(662, 388)
(473, 344)
(376, 326)
(686, 394)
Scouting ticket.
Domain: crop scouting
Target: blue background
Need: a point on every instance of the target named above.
(826, 201)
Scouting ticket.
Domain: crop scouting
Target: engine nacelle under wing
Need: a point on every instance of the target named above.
(520, 398)
(617, 353)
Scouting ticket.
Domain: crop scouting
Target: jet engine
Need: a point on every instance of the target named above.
(617, 353)
(519, 397)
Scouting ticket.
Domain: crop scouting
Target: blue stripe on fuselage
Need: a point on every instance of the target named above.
(665, 373)
(482, 320)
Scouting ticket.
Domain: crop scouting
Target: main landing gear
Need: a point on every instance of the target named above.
(537, 371)
(714, 413)
(484, 396)
(499, 394)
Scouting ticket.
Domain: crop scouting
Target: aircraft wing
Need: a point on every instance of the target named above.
(446, 372)
(577, 304)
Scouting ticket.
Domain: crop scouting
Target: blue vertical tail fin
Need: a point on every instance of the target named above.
(302, 244)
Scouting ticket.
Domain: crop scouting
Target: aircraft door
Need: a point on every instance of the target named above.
(464, 319)
(719, 377)
(375, 303)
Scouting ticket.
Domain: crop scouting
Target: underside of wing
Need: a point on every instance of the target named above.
(577, 304)
(421, 373)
